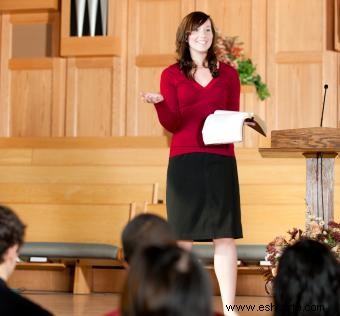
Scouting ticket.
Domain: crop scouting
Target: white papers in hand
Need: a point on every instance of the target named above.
(225, 127)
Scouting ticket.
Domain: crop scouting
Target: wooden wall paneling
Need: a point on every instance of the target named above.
(337, 25)
(300, 98)
(330, 76)
(37, 97)
(94, 90)
(305, 30)
(96, 156)
(126, 142)
(38, 18)
(90, 174)
(120, 89)
(131, 86)
(75, 193)
(31, 97)
(151, 49)
(55, 34)
(97, 87)
(5, 53)
(256, 33)
(74, 223)
(15, 156)
(269, 171)
(232, 18)
(295, 63)
(258, 54)
(71, 119)
(118, 27)
(261, 224)
(89, 96)
(330, 73)
(42, 80)
(58, 97)
(271, 117)
(279, 193)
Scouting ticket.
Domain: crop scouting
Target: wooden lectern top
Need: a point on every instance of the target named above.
(299, 142)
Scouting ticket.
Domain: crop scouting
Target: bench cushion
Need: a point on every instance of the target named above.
(245, 253)
(68, 250)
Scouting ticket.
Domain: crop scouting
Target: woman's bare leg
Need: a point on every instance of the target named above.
(185, 244)
(225, 264)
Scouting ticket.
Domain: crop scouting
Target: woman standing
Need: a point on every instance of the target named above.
(202, 183)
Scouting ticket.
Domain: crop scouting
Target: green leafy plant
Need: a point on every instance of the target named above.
(229, 50)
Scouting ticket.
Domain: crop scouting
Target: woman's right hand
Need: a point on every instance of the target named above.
(151, 97)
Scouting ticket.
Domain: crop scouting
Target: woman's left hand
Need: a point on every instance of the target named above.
(249, 123)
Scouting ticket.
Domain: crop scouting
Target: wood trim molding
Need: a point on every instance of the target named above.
(34, 18)
(93, 62)
(24, 5)
(85, 142)
(303, 57)
(90, 46)
(160, 60)
(31, 63)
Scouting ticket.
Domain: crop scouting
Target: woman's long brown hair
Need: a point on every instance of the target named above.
(191, 22)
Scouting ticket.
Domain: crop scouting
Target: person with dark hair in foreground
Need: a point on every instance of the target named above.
(145, 230)
(308, 281)
(142, 231)
(11, 238)
(166, 281)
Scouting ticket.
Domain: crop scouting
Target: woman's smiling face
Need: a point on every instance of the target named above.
(201, 38)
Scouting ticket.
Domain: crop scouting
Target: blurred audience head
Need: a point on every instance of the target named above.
(166, 281)
(11, 238)
(308, 281)
(144, 230)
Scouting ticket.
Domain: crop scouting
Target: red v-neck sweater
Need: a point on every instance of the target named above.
(187, 104)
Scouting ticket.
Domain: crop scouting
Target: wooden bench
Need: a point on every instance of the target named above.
(77, 237)
(82, 257)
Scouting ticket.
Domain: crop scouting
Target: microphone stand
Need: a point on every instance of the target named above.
(319, 155)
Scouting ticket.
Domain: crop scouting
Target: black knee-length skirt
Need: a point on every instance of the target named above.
(202, 196)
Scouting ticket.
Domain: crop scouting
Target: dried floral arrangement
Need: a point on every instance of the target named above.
(315, 229)
(230, 50)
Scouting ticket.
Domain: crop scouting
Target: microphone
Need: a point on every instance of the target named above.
(323, 103)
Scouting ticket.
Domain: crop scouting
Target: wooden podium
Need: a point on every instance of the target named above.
(320, 146)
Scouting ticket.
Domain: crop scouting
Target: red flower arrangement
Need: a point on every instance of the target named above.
(229, 50)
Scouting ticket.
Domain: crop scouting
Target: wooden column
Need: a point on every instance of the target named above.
(320, 185)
